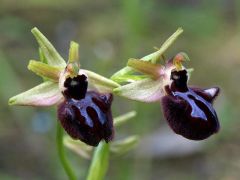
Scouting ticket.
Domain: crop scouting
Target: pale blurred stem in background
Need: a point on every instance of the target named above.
(62, 155)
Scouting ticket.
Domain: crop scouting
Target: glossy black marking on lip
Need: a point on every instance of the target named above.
(88, 119)
(189, 111)
(76, 87)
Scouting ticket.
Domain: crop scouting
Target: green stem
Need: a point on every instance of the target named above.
(61, 154)
(100, 161)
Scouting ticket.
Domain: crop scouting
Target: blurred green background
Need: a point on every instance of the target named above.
(110, 32)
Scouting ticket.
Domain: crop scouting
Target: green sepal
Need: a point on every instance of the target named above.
(154, 57)
(50, 53)
(146, 90)
(44, 70)
(45, 94)
(123, 146)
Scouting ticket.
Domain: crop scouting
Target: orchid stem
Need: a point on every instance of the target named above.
(100, 162)
(62, 156)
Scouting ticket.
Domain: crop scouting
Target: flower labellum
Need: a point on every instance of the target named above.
(86, 115)
(189, 111)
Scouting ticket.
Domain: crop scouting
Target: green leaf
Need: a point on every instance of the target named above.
(154, 57)
(118, 121)
(78, 147)
(45, 70)
(100, 82)
(99, 163)
(146, 90)
(45, 94)
(122, 146)
(49, 52)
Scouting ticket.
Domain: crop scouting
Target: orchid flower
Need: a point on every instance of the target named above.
(188, 110)
(54, 69)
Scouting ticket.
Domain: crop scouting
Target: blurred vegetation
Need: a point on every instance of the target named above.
(110, 32)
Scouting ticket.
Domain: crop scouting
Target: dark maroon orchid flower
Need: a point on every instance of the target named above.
(86, 115)
(189, 111)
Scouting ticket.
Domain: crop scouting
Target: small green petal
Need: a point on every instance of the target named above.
(154, 70)
(73, 52)
(73, 58)
(45, 94)
(50, 53)
(125, 145)
(80, 148)
(118, 121)
(146, 90)
(45, 70)
(100, 82)
(154, 57)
